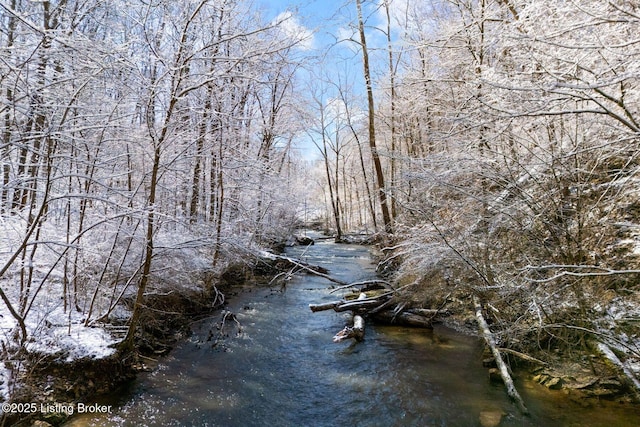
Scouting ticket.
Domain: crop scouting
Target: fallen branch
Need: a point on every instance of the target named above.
(611, 356)
(365, 284)
(363, 303)
(229, 315)
(523, 356)
(326, 306)
(226, 316)
(312, 269)
(404, 318)
(356, 331)
(502, 367)
(382, 307)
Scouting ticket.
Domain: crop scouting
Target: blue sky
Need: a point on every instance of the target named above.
(328, 19)
(312, 12)
(320, 17)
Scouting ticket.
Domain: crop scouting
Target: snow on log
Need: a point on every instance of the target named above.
(356, 331)
(363, 303)
(360, 304)
(502, 367)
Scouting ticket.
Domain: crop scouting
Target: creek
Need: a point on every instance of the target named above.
(282, 369)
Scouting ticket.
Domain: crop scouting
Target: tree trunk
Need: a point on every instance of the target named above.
(382, 194)
(392, 119)
(128, 342)
(356, 331)
(195, 182)
(6, 134)
(335, 208)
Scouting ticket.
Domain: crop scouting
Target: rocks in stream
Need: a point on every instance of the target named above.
(608, 387)
(551, 382)
(299, 240)
(491, 418)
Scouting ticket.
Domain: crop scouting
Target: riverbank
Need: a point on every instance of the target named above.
(580, 372)
(583, 372)
(51, 381)
(50, 386)
(278, 365)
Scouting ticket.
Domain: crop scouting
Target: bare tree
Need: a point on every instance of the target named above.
(380, 180)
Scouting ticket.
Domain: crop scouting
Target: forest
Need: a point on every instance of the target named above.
(489, 148)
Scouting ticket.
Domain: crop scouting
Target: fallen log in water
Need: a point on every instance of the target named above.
(502, 367)
(316, 270)
(360, 304)
(403, 318)
(366, 285)
(363, 304)
(356, 331)
(378, 308)
(326, 306)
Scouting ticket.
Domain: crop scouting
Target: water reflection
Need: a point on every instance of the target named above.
(284, 370)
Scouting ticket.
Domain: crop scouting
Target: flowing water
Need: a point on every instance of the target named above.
(282, 369)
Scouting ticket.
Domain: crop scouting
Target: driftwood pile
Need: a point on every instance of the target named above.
(375, 300)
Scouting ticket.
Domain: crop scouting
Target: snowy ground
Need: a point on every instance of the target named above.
(180, 262)
(51, 330)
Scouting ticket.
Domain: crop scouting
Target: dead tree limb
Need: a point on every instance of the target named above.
(611, 356)
(523, 356)
(363, 303)
(356, 331)
(325, 306)
(502, 367)
(403, 318)
(365, 284)
(382, 307)
(312, 269)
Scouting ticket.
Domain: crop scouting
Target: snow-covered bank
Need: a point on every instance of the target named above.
(74, 328)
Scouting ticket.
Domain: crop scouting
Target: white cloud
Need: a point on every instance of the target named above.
(345, 34)
(292, 28)
(398, 11)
